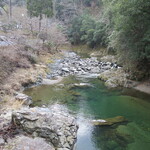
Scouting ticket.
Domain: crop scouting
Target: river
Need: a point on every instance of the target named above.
(98, 102)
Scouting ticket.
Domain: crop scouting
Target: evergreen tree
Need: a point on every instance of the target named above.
(86, 30)
(38, 8)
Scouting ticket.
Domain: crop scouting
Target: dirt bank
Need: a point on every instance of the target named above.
(143, 87)
(23, 77)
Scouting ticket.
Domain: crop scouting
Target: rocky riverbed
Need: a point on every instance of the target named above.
(72, 64)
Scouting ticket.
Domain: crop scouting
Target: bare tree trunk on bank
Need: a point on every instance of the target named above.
(54, 9)
(46, 24)
(10, 9)
(40, 19)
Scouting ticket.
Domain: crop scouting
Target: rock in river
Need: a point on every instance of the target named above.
(114, 78)
(25, 99)
(109, 121)
(82, 85)
(54, 124)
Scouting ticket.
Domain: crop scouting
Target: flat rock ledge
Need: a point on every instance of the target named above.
(54, 124)
(109, 121)
(22, 142)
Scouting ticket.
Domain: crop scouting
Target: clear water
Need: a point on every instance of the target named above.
(98, 102)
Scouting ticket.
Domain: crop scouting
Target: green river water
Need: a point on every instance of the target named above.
(99, 102)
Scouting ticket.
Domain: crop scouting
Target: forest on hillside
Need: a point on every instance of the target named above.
(123, 27)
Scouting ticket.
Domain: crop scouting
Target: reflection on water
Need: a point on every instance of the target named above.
(85, 134)
(98, 102)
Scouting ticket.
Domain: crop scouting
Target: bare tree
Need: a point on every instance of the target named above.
(56, 36)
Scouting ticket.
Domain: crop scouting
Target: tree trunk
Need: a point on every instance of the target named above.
(10, 9)
(40, 22)
(31, 27)
(54, 9)
(46, 24)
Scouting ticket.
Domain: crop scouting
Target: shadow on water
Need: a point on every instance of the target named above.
(98, 102)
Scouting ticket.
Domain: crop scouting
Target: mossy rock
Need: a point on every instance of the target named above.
(74, 93)
(109, 121)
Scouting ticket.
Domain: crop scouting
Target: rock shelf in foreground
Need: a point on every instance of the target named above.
(54, 124)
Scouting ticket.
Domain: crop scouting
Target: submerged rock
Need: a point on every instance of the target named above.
(74, 93)
(54, 124)
(109, 121)
(111, 139)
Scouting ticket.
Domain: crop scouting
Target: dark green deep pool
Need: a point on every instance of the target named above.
(98, 102)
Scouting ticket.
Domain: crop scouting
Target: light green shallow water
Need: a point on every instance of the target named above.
(98, 102)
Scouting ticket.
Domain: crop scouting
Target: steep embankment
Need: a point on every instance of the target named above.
(21, 65)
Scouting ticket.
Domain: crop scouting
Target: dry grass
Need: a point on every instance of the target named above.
(9, 103)
(10, 59)
(16, 62)
(15, 104)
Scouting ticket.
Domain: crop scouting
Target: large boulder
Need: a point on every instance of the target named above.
(54, 124)
(22, 142)
(114, 78)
